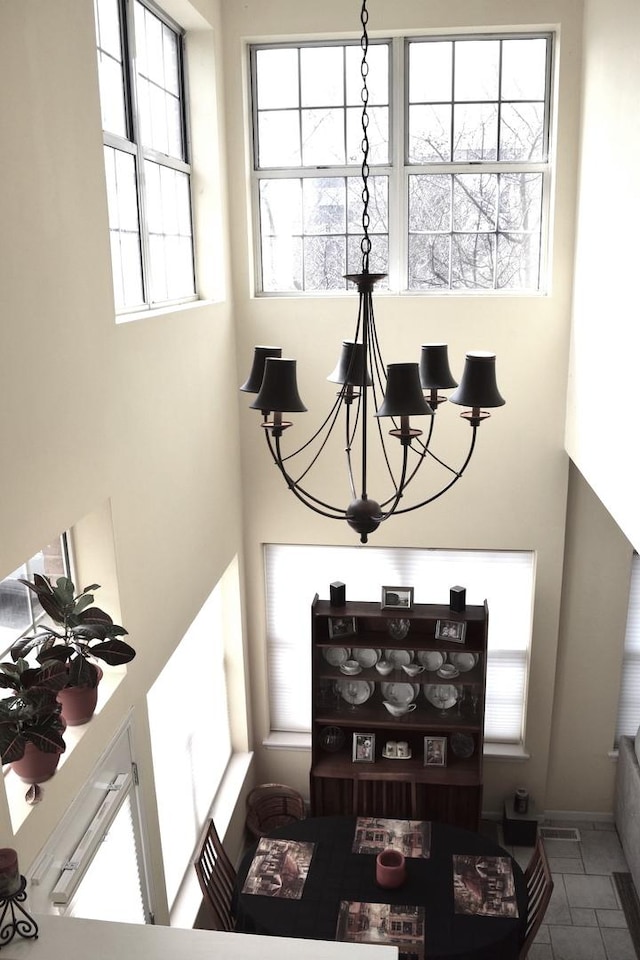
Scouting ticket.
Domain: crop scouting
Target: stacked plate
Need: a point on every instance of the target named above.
(399, 693)
(464, 660)
(441, 695)
(355, 692)
(431, 660)
(336, 656)
(366, 657)
(398, 657)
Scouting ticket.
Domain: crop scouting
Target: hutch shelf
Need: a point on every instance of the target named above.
(424, 764)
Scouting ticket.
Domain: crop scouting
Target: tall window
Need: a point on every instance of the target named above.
(20, 609)
(629, 704)
(457, 200)
(294, 574)
(142, 95)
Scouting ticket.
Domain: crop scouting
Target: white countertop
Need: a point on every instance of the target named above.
(60, 938)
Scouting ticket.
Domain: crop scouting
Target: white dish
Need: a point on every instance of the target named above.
(399, 693)
(398, 657)
(448, 671)
(441, 695)
(384, 667)
(398, 709)
(350, 667)
(431, 660)
(355, 691)
(412, 669)
(336, 655)
(465, 660)
(366, 657)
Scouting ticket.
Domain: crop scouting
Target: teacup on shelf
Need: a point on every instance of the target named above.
(350, 667)
(412, 669)
(384, 667)
(399, 709)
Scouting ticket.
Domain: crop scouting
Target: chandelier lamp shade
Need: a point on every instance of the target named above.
(371, 392)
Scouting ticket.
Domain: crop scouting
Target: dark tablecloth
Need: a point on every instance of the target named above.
(338, 874)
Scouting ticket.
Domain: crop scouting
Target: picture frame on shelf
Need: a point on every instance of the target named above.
(397, 598)
(452, 630)
(342, 627)
(364, 748)
(435, 751)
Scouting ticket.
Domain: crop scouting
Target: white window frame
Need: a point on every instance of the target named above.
(399, 170)
(132, 144)
(295, 573)
(629, 703)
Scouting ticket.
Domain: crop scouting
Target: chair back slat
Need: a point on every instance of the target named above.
(539, 889)
(217, 877)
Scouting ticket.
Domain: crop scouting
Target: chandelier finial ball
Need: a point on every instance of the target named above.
(364, 516)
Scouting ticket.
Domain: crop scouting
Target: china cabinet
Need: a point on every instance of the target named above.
(398, 700)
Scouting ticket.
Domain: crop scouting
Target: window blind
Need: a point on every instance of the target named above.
(629, 704)
(295, 573)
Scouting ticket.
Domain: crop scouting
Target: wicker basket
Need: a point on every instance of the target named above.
(272, 805)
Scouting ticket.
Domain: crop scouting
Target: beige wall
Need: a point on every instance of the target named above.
(131, 424)
(514, 495)
(606, 336)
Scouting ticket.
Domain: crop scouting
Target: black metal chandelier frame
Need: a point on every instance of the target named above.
(396, 392)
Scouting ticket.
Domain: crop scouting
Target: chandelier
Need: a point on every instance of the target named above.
(370, 391)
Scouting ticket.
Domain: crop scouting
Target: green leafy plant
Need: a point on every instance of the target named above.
(80, 631)
(32, 712)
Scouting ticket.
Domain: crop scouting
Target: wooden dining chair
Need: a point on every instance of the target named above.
(272, 805)
(217, 878)
(539, 889)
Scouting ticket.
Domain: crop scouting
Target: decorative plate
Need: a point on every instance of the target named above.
(355, 691)
(441, 695)
(400, 693)
(366, 657)
(398, 657)
(336, 655)
(465, 660)
(431, 659)
(462, 745)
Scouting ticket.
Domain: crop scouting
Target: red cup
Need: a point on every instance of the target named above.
(390, 868)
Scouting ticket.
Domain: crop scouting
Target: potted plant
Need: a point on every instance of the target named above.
(31, 725)
(80, 633)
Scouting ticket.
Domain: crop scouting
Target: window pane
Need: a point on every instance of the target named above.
(378, 256)
(279, 139)
(277, 79)
(378, 205)
(429, 261)
(324, 205)
(108, 28)
(377, 132)
(518, 265)
(430, 71)
(476, 69)
(282, 264)
(430, 203)
(323, 137)
(475, 132)
(168, 210)
(524, 69)
(377, 79)
(324, 263)
(472, 261)
(158, 85)
(112, 95)
(19, 607)
(122, 201)
(429, 133)
(520, 201)
(521, 131)
(475, 200)
(322, 76)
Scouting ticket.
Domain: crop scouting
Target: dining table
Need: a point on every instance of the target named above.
(338, 874)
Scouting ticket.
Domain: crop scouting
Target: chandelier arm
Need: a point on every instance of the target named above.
(333, 412)
(421, 458)
(423, 503)
(303, 495)
(401, 486)
(349, 440)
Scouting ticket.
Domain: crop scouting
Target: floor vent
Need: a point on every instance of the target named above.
(560, 833)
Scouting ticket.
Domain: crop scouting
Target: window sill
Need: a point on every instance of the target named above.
(176, 308)
(16, 789)
(279, 740)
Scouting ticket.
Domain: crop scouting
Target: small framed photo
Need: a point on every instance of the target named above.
(364, 748)
(453, 630)
(342, 627)
(435, 751)
(397, 598)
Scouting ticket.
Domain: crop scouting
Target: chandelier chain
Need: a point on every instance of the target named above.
(365, 243)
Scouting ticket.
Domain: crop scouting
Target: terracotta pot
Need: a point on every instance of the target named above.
(390, 868)
(79, 703)
(36, 766)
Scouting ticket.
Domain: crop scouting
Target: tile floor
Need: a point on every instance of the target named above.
(584, 920)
